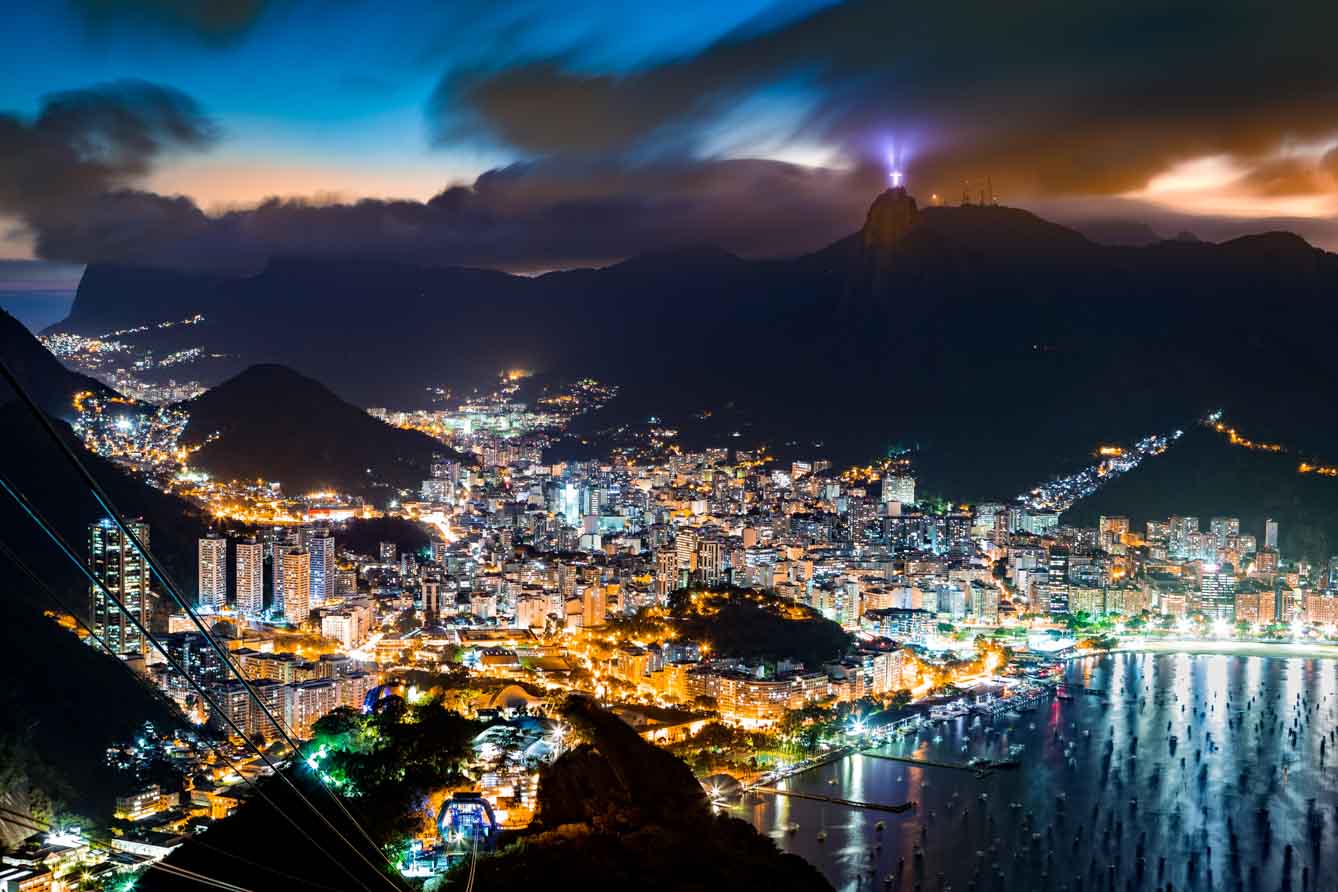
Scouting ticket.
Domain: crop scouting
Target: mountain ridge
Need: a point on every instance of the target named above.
(963, 320)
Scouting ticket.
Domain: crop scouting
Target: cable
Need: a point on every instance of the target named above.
(36, 825)
(59, 540)
(172, 589)
(154, 691)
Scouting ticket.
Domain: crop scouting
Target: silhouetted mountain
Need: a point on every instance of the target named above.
(64, 703)
(270, 422)
(51, 384)
(995, 341)
(1132, 233)
(1204, 476)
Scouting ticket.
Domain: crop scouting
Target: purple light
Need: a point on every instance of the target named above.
(895, 176)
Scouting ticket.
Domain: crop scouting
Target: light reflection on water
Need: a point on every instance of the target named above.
(1128, 792)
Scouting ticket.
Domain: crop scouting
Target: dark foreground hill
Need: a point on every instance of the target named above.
(615, 812)
(993, 340)
(270, 422)
(50, 384)
(1203, 475)
(63, 704)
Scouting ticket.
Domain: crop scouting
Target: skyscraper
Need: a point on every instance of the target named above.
(117, 564)
(321, 544)
(250, 577)
(296, 574)
(1271, 533)
(1057, 586)
(281, 541)
(213, 571)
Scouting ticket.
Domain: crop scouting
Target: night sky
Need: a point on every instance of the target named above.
(533, 135)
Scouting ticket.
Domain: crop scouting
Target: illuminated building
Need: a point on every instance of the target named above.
(296, 585)
(593, 606)
(388, 551)
(1217, 592)
(1271, 534)
(117, 564)
(898, 488)
(250, 577)
(213, 571)
(900, 624)
(711, 561)
(281, 542)
(321, 546)
(1057, 585)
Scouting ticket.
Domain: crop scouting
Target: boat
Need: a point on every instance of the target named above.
(792, 827)
(822, 836)
(879, 826)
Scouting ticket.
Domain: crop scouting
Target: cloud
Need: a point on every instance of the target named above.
(1066, 98)
(209, 20)
(58, 170)
(526, 217)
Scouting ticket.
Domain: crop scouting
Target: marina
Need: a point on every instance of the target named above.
(1201, 772)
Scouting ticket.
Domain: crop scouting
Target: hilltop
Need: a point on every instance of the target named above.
(270, 422)
(1203, 475)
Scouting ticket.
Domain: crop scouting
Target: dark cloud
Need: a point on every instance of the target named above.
(86, 143)
(1056, 98)
(210, 20)
(524, 217)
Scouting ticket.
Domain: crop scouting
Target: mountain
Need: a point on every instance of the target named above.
(64, 703)
(1203, 475)
(1118, 232)
(992, 342)
(271, 422)
(51, 385)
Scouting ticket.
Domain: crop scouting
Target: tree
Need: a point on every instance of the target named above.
(901, 699)
(406, 622)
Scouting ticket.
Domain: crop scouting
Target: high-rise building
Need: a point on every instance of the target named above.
(1057, 585)
(296, 585)
(388, 552)
(115, 562)
(899, 488)
(213, 571)
(593, 606)
(1217, 592)
(321, 545)
(711, 561)
(1271, 534)
(281, 541)
(250, 577)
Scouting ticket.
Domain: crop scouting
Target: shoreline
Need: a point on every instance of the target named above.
(1278, 650)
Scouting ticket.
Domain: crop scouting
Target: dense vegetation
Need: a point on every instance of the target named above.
(1204, 476)
(383, 766)
(742, 623)
(615, 810)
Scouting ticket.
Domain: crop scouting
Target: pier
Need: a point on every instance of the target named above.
(836, 800)
(930, 763)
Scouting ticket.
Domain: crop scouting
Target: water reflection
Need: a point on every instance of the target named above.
(1201, 772)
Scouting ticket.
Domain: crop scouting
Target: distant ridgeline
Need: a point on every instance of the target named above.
(996, 340)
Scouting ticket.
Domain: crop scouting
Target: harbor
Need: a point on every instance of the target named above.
(1197, 772)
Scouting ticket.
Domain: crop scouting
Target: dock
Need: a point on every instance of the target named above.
(929, 763)
(836, 800)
